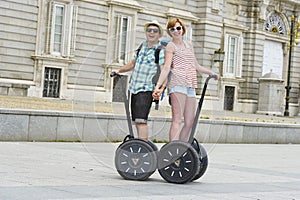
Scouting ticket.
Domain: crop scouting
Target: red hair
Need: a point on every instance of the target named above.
(171, 23)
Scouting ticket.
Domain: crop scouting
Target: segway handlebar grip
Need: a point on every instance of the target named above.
(213, 76)
(113, 74)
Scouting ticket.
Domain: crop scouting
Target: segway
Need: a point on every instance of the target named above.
(135, 159)
(182, 162)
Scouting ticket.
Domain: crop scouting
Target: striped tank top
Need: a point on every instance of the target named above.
(183, 67)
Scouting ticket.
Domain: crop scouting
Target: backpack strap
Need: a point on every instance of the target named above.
(157, 51)
(156, 54)
(139, 49)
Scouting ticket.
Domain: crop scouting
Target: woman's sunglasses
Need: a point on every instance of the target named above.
(178, 28)
(154, 30)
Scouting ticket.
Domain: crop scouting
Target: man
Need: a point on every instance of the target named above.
(144, 69)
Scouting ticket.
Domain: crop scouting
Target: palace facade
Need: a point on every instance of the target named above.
(66, 49)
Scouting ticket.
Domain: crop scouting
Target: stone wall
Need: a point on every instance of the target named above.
(28, 125)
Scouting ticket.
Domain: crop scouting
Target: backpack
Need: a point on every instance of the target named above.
(156, 55)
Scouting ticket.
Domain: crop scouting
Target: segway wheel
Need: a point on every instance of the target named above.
(135, 159)
(154, 147)
(178, 162)
(203, 158)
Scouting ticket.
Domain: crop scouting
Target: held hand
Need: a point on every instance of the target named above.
(155, 96)
(157, 93)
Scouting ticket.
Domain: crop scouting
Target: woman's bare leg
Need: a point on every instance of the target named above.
(178, 105)
(189, 115)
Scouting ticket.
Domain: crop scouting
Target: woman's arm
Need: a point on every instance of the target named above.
(201, 69)
(163, 78)
(167, 67)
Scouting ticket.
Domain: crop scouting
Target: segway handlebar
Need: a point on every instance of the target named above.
(126, 101)
(215, 76)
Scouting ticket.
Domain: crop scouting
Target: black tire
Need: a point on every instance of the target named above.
(135, 159)
(203, 158)
(154, 147)
(178, 162)
(203, 162)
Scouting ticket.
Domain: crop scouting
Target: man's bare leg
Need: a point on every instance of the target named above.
(142, 130)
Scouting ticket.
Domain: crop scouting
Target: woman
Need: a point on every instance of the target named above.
(181, 61)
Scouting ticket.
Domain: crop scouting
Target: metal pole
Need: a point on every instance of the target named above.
(288, 87)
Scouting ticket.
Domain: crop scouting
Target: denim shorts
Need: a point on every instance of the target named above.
(188, 91)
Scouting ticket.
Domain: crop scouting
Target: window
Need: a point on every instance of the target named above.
(57, 25)
(233, 57)
(52, 81)
(229, 98)
(231, 54)
(188, 33)
(62, 21)
(123, 27)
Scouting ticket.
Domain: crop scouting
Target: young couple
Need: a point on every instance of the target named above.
(177, 58)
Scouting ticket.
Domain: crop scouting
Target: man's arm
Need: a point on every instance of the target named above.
(128, 67)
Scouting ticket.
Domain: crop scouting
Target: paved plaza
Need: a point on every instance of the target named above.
(82, 171)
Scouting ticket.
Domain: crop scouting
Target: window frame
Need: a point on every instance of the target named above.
(119, 31)
(60, 84)
(188, 36)
(113, 42)
(53, 29)
(232, 55)
(68, 29)
(235, 70)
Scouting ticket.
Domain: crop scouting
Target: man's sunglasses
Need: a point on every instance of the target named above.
(178, 28)
(154, 30)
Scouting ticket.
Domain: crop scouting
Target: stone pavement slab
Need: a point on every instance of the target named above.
(82, 171)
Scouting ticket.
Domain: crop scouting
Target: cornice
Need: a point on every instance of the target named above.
(173, 12)
(126, 3)
(51, 58)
